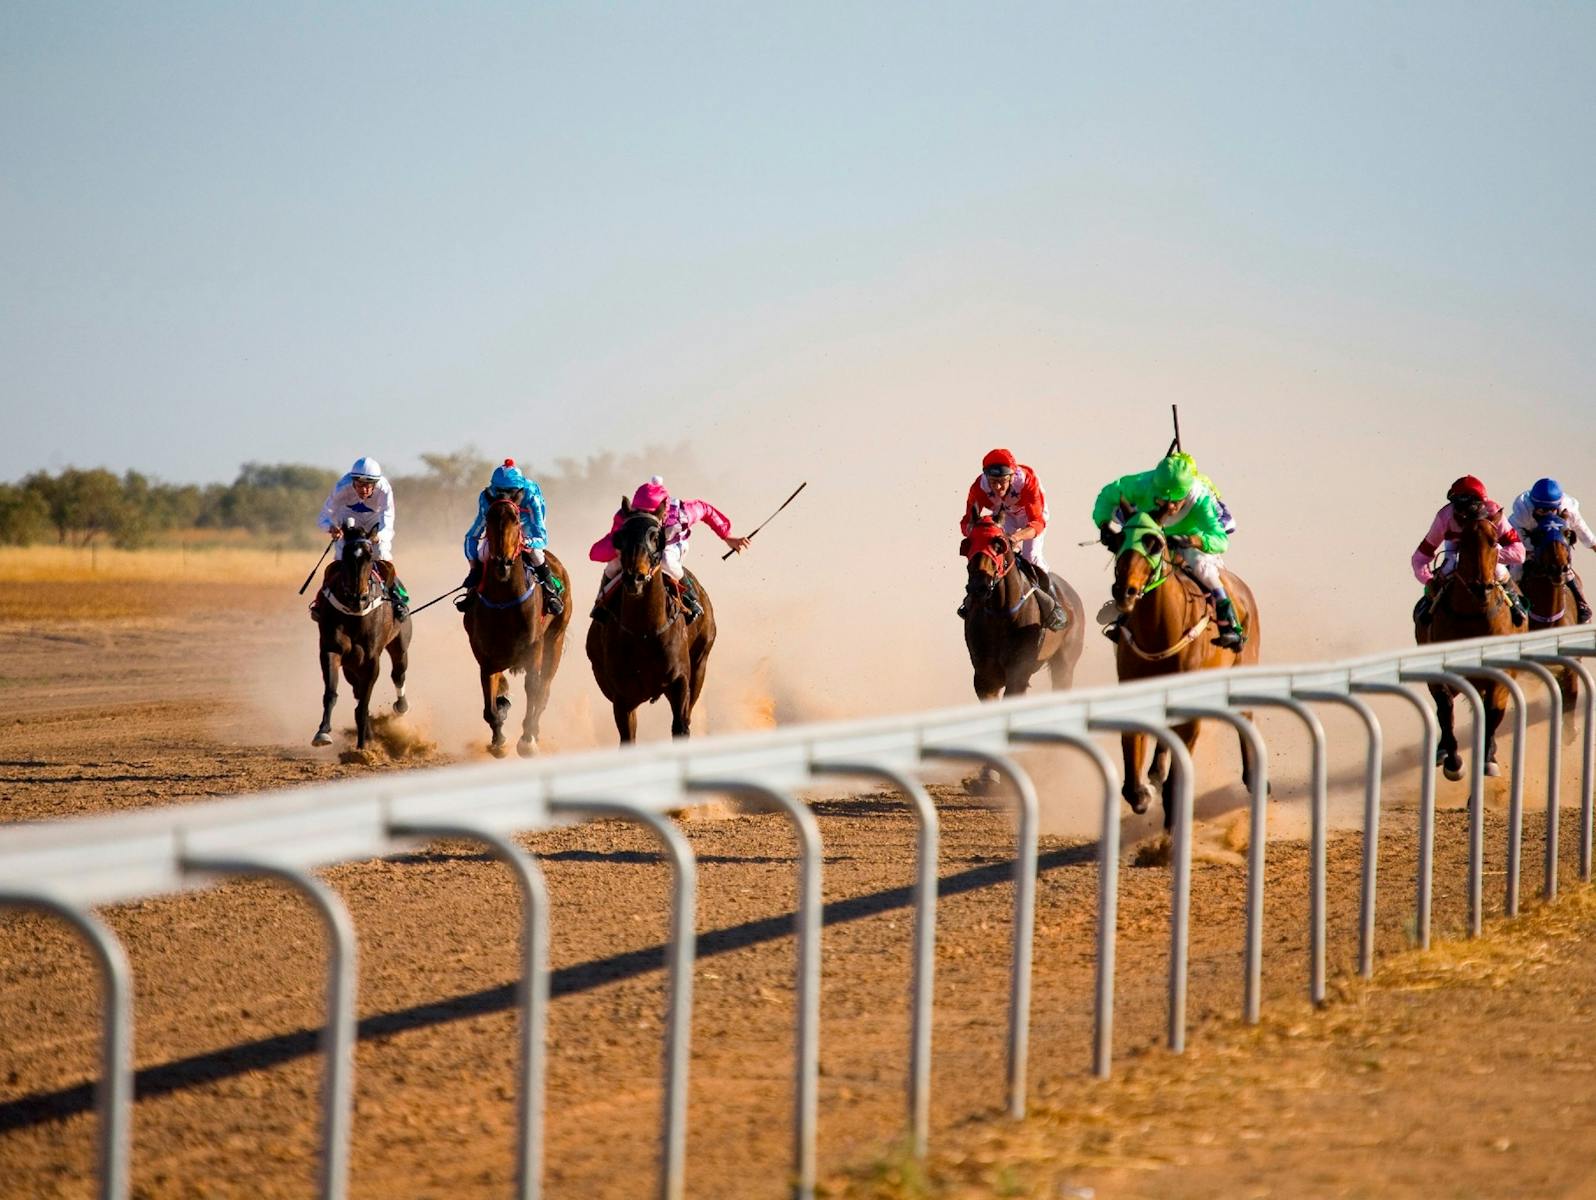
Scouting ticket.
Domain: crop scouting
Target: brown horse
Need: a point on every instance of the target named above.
(356, 624)
(509, 630)
(1545, 585)
(1168, 630)
(1003, 627)
(644, 649)
(1469, 602)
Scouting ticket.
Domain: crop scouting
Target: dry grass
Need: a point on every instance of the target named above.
(231, 564)
(1097, 1128)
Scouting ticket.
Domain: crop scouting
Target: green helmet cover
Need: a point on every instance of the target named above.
(1174, 477)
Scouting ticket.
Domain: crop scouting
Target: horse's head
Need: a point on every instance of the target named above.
(1140, 561)
(640, 544)
(1476, 552)
(1549, 551)
(503, 538)
(355, 562)
(988, 555)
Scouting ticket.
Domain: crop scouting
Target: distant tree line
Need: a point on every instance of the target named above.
(280, 502)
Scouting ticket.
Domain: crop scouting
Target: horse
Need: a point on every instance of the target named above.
(1544, 584)
(645, 650)
(1167, 630)
(509, 630)
(1469, 602)
(1003, 628)
(356, 624)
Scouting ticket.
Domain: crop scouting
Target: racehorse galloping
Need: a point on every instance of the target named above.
(1003, 627)
(510, 631)
(1469, 602)
(1548, 569)
(356, 624)
(1168, 630)
(646, 650)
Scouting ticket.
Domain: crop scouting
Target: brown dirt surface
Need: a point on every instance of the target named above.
(115, 714)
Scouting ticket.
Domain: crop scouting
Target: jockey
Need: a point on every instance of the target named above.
(1466, 500)
(1012, 493)
(508, 483)
(1544, 501)
(680, 517)
(366, 497)
(1196, 523)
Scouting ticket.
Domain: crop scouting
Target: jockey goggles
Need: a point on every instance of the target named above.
(997, 471)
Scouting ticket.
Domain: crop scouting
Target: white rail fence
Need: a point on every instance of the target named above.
(67, 868)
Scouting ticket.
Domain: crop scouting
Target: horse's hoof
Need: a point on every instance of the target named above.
(1454, 773)
(401, 705)
(527, 747)
(497, 749)
(322, 738)
(1139, 802)
(1492, 769)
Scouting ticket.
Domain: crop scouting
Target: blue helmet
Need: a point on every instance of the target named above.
(508, 478)
(1547, 493)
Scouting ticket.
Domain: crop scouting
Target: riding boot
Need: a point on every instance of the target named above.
(964, 606)
(601, 612)
(1052, 607)
(552, 587)
(399, 597)
(1422, 610)
(690, 603)
(1515, 600)
(472, 579)
(1577, 590)
(1229, 632)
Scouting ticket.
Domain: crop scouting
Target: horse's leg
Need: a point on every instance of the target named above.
(1495, 709)
(1138, 794)
(399, 666)
(679, 693)
(363, 687)
(625, 721)
(329, 697)
(1446, 755)
(494, 706)
(537, 695)
(1247, 765)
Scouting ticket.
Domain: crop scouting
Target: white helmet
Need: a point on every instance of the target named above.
(366, 468)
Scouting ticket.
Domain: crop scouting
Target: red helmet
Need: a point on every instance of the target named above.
(998, 458)
(1466, 486)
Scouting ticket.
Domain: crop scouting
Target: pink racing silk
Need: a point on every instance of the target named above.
(1444, 531)
(680, 517)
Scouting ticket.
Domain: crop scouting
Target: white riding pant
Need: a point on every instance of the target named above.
(382, 547)
(1204, 568)
(1030, 551)
(671, 562)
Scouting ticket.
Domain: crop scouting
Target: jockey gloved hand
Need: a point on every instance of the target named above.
(1106, 535)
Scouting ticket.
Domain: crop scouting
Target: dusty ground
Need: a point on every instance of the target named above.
(1421, 1078)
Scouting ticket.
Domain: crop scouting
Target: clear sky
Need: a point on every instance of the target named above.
(281, 231)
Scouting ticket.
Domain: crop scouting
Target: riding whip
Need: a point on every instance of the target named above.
(314, 569)
(1174, 446)
(770, 518)
(430, 603)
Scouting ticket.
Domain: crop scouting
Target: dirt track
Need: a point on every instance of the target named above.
(229, 992)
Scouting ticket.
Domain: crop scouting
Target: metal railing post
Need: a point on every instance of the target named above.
(1429, 736)
(338, 1034)
(925, 937)
(1107, 890)
(1568, 661)
(1467, 690)
(1515, 783)
(1318, 804)
(1180, 871)
(806, 1099)
(1554, 759)
(113, 1091)
(1371, 816)
(1257, 836)
(679, 970)
(1027, 826)
(532, 990)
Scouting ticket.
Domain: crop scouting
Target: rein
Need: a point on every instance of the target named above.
(1163, 572)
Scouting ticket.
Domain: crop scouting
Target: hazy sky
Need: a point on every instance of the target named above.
(865, 232)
